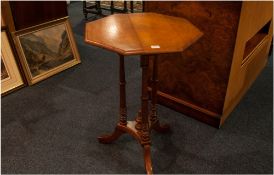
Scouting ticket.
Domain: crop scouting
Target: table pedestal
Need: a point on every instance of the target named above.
(145, 121)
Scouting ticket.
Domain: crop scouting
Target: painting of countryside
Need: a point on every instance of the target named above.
(46, 49)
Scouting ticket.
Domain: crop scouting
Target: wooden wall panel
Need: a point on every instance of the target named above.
(254, 16)
(200, 74)
(30, 13)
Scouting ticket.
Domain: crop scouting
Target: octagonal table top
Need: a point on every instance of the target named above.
(142, 33)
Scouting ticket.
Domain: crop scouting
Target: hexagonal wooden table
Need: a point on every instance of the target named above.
(145, 34)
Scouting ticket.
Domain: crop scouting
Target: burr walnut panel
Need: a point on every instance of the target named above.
(200, 74)
(209, 79)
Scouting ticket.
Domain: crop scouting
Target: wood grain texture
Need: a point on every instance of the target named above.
(218, 70)
(30, 13)
(142, 33)
(7, 16)
(200, 74)
(3, 23)
(254, 15)
(14, 79)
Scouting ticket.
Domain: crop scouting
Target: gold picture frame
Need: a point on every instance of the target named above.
(47, 49)
(11, 78)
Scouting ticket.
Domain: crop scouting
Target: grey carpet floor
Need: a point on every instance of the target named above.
(51, 127)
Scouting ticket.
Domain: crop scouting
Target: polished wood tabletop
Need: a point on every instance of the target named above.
(141, 33)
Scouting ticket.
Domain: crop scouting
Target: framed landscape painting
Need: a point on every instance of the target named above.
(10, 74)
(46, 49)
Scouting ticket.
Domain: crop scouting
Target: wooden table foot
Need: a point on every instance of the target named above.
(161, 128)
(110, 138)
(130, 129)
(119, 130)
(147, 159)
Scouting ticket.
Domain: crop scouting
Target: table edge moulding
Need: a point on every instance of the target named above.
(139, 45)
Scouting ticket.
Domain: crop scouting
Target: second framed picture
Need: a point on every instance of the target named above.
(46, 49)
(11, 78)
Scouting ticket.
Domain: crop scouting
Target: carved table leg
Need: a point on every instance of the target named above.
(147, 157)
(138, 120)
(112, 137)
(145, 133)
(98, 7)
(111, 7)
(153, 118)
(131, 7)
(141, 127)
(123, 109)
(85, 10)
(125, 10)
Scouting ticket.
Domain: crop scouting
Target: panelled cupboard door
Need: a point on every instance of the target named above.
(36, 12)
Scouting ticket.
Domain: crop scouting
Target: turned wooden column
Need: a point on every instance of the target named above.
(154, 82)
(154, 121)
(123, 108)
(138, 120)
(145, 133)
(145, 138)
(131, 7)
(111, 7)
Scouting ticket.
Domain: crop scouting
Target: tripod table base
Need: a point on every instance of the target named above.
(130, 129)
